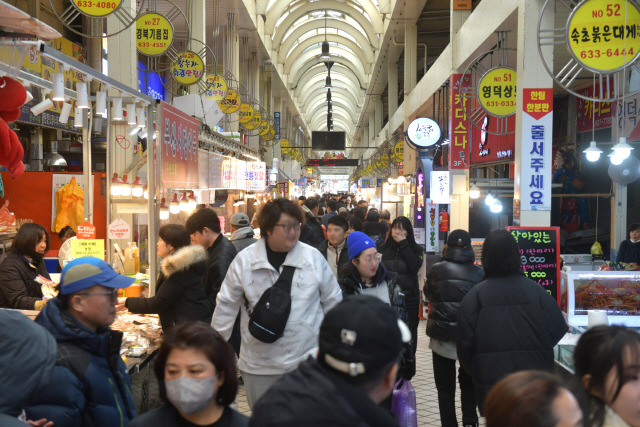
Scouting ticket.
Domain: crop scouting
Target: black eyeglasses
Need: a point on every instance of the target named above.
(288, 227)
(113, 294)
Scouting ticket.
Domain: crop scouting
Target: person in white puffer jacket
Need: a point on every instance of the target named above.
(314, 291)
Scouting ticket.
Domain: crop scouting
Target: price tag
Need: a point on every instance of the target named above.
(603, 34)
(187, 68)
(86, 230)
(119, 229)
(154, 34)
(89, 247)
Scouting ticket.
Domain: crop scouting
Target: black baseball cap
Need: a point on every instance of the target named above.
(459, 238)
(360, 335)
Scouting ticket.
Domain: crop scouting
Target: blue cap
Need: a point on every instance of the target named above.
(358, 242)
(82, 273)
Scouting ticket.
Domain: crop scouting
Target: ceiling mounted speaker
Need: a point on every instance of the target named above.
(626, 172)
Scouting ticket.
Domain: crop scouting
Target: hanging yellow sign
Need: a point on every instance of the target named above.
(497, 91)
(382, 162)
(216, 88)
(187, 68)
(285, 147)
(397, 152)
(245, 113)
(264, 128)
(96, 9)
(231, 102)
(270, 135)
(154, 34)
(603, 35)
(254, 122)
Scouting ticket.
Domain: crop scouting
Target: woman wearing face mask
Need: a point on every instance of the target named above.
(607, 365)
(629, 250)
(196, 370)
(25, 261)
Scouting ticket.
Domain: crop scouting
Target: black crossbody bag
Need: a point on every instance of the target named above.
(269, 316)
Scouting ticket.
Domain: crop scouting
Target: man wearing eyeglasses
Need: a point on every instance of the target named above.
(314, 290)
(89, 384)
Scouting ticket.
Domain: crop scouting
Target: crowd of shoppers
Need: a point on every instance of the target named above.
(350, 334)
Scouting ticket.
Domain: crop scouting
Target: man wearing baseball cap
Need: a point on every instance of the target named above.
(241, 231)
(360, 344)
(89, 384)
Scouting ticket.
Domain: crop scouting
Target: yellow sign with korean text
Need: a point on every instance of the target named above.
(497, 91)
(397, 152)
(96, 9)
(216, 88)
(285, 147)
(255, 121)
(231, 102)
(270, 135)
(264, 127)
(245, 113)
(154, 34)
(87, 247)
(382, 162)
(187, 68)
(603, 35)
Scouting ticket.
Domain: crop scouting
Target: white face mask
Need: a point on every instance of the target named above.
(190, 395)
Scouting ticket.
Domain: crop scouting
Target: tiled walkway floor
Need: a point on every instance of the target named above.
(426, 395)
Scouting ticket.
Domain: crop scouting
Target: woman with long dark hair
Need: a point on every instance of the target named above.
(402, 255)
(18, 271)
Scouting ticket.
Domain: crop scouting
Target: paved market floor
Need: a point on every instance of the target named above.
(426, 396)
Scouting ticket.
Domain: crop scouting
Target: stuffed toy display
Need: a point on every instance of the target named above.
(13, 96)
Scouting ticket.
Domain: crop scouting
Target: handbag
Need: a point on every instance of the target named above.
(269, 316)
(403, 404)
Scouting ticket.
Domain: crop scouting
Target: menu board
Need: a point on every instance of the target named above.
(540, 256)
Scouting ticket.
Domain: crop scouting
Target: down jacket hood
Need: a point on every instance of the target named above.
(242, 233)
(26, 360)
(183, 258)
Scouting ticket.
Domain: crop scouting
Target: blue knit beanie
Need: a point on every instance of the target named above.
(358, 242)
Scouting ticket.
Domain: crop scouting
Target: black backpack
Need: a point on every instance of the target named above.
(269, 316)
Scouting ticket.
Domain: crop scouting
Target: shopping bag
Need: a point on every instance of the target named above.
(403, 404)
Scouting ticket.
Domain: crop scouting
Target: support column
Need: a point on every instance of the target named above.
(531, 75)
(459, 211)
(410, 71)
(392, 87)
(197, 21)
(619, 217)
(372, 128)
(378, 114)
(232, 57)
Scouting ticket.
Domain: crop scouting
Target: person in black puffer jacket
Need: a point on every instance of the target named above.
(507, 322)
(311, 232)
(180, 293)
(448, 282)
(402, 255)
(629, 250)
(374, 228)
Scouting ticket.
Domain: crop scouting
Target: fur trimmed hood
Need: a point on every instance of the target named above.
(183, 258)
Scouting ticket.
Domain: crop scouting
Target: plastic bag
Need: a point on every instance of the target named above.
(596, 248)
(69, 206)
(403, 404)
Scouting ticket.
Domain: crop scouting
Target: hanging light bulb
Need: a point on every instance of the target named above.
(622, 149)
(496, 206)
(117, 109)
(474, 192)
(593, 152)
(58, 86)
(616, 159)
(184, 202)
(40, 108)
(125, 189)
(64, 113)
(192, 201)
(145, 191)
(131, 114)
(164, 210)
(174, 205)
(81, 94)
(136, 188)
(325, 50)
(116, 184)
(327, 82)
(489, 199)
